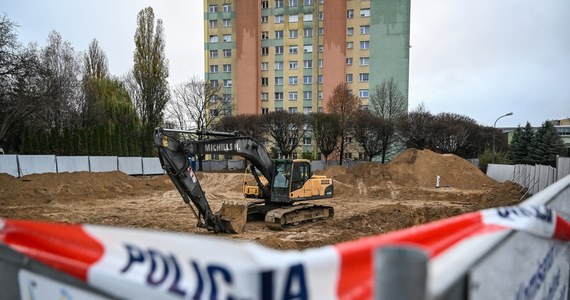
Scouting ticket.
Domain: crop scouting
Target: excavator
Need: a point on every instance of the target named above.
(283, 186)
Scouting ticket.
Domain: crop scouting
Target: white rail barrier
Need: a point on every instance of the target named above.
(36, 164)
(72, 164)
(9, 165)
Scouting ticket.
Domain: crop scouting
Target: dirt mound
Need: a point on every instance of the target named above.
(65, 187)
(415, 168)
(504, 194)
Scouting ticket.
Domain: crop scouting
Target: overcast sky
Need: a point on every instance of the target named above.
(479, 58)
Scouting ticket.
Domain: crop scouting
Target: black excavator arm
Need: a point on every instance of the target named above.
(174, 151)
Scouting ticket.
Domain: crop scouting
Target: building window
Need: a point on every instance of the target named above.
(227, 23)
(278, 3)
(320, 79)
(278, 34)
(320, 95)
(365, 61)
(279, 19)
(227, 38)
(321, 31)
(213, 23)
(308, 64)
(293, 80)
(264, 19)
(279, 109)
(349, 61)
(307, 95)
(308, 32)
(227, 7)
(278, 80)
(264, 50)
(213, 53)
(293, 18)
(227, 52)
(264, 111)
(293, 64)
(365, 29)
(363, 93)
(306, 111)
(278, 65)
(308, 79)
(349, 45)
(292, 110)
(307, 2)
(265, 4)
(293, 2)
(213, 39)
(293, 49)
(213, 8)
(227, 83)
(264, 66)
(350, 13)
(350, 31)
(308, 48)
(214, 83)
(321, 15)
(293, 34)
(364, 45)
(348, 78)
(365, 12)
(320, 63)
(264, 35)
(264, 81)
(321, 48)
(227, 68)
(213, 68)
(307, 17)
(278, 49)
(279, 96)
(306, 140)
(264, 96)
(227, 97)
(364, 77)
(293, 96)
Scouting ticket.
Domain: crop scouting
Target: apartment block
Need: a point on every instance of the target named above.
(273, 55)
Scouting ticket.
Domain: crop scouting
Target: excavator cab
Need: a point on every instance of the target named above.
(293, 182)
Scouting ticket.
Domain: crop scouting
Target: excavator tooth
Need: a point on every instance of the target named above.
(234, 215)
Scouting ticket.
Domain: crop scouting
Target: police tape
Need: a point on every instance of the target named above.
(135, 263)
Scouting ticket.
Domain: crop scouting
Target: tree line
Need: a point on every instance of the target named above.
(54, 99)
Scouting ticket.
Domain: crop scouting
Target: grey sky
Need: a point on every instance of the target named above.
(480, 58)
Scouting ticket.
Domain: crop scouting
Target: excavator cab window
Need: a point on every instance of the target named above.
(301, 173)
(282, 179)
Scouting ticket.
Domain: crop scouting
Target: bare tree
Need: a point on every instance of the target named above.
(343, 103)
(19, 74)
(415, 128)
(369, 131)
(244, 124)
(450, 132)
(150, 73)
(95, 63)
(286, 130)
(196, 104)
(388, 102)
(326, 131)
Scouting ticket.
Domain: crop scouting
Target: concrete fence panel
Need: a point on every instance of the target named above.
(563, 166)
(9, 164)
(36, 164)
(151, 166)
(236, 164)
(501, 173)
(72, 164)
(131, 165)
(103, 163)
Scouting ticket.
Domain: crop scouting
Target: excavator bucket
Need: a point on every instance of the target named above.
(234, 216)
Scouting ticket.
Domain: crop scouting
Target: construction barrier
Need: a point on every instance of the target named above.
(36, 164)
(9, 165)
(130, 165)
(103, 163)
(519, 252)
(72, 164)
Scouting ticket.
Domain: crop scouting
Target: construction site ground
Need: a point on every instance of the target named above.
(369, 199)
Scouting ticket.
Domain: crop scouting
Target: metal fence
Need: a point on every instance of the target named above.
(533, 178)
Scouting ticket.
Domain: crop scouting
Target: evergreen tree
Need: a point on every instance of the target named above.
(546, 145)
(516, 155)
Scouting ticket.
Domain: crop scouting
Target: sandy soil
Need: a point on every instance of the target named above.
(369, 199)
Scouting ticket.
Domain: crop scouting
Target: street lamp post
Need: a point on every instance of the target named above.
(505, 115)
